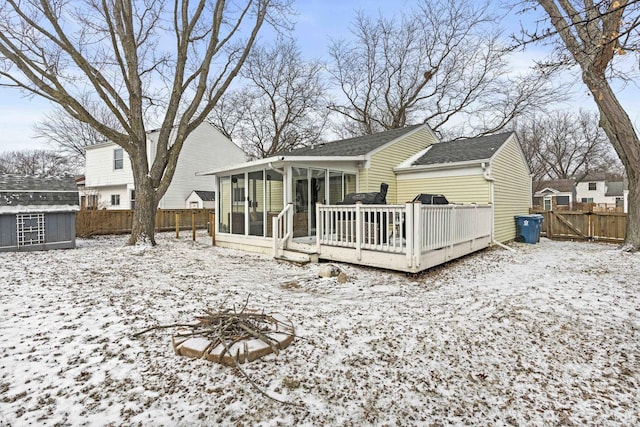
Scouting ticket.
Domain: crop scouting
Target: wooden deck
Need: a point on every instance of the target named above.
(410, 237)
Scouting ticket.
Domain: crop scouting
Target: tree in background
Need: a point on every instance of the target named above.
(563, 144)
(281, 106)
(594, 36)
(439, 64)
(36, 162)
(139, 60)
(71, 136)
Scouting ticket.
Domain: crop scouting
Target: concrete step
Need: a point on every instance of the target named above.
(298, 257)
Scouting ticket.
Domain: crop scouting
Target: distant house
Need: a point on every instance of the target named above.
(554, 194)
(37, 213)
(109, 178)
(595, 188)
(304, 185)
(201, 199)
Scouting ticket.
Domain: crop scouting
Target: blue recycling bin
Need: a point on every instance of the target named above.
(528, 228)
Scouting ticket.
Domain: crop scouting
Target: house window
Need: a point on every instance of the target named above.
(132, 198)
(92, 201)
(118, 158)
(592, 186)
(115, 200)
(587, 200)
(30, 229)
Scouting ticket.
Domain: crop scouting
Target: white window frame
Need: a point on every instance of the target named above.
(115, 198)
(118, 159)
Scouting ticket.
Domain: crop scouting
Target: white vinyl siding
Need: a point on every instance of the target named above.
(205, 149)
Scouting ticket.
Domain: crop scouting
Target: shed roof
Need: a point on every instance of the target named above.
(560, 185)
(357, 146)
(206, 196)
(47, 193)
(463, 150)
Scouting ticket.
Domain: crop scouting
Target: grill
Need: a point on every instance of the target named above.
(373, 198)
(431, 199)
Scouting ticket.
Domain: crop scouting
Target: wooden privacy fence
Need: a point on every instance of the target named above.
(98, 222)
(581, 225)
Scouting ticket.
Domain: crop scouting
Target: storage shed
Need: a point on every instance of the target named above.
(37, 213)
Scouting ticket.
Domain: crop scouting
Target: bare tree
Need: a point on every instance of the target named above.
(564, 144)
(593, 35)
(71, 136)
(282, 104)
(141, 60)
(36, 162)
(442, 64)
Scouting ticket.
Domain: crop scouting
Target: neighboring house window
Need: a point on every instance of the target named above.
(115, 200)
(547, 203)
(118, 158)
(194, 205)
(30, 229)
(587, 200)
(92, 201)
(133, 199)
(592, 186)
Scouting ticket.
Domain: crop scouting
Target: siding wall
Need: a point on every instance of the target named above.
(457, 189)
(382, 163)
(99, 167)
(512, 189)
(205, 149)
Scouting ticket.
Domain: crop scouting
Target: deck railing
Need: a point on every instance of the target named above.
(411, 229)
(282, 226)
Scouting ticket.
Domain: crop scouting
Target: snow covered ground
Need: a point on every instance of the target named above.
(546, 335)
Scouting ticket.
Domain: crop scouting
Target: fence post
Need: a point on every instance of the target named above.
(212, 227)
(177, 225)
(193, 225)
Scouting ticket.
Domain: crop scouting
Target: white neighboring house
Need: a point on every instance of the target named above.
(596, 189)
(109, 177)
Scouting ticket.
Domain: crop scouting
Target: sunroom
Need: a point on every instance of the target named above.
(252, 194)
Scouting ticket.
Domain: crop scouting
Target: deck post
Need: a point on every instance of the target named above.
(319, 227)
(408, 232)
(418, 231)
(358, 231)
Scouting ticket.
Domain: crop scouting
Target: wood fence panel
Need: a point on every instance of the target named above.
(583, 225)
(99, 222)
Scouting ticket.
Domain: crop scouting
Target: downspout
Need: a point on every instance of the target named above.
(486, 174)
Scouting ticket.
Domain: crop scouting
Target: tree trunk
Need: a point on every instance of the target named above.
(618, 126)
(144, 213)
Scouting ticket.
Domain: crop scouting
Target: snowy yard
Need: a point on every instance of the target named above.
(546, 335)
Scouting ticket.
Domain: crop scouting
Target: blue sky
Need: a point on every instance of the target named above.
(318, 20)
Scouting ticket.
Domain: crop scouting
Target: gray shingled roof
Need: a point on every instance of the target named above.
(463, 150)
(16, 190)
(615, 189)
(206, 196)
(561, 185)
(357, 146)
